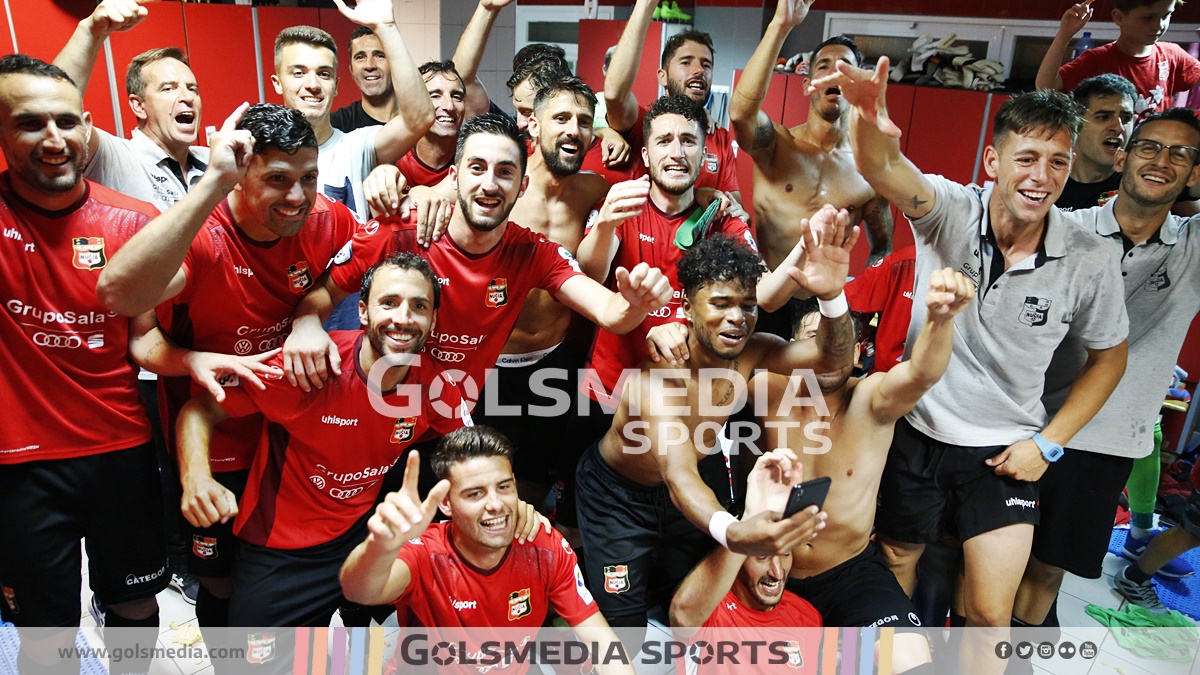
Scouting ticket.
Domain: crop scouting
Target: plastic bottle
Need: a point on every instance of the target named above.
(1082, 45)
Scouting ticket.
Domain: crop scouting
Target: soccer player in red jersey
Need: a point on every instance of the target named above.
(76, 459)
(322, 454)
(428, 163)
(886, 289)
(266, 242)
(469, 572)
(731, 592)
(486, 265)
(687, 70)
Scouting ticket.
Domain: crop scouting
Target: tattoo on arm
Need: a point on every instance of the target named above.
(917, 203)
(764, 136)
(835, 337)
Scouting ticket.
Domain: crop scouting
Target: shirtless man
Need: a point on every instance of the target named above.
(843, 573)
(798, 170)
(656, 482)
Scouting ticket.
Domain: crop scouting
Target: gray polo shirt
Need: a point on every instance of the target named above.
(991, 392)
(1162, 295)
(139, 168)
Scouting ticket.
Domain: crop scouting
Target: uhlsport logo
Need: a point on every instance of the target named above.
(616, 578)
(89, 253)
(497, 292)
(519, 605)
(299, 276)
(403, 431)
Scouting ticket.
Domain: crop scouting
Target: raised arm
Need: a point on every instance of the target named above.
(147, 270)
(469, 53)
(599, 246)
(754, 130)
(372, 574)
(900, 388)
(874, 138)
(415, 112)
(1073, 21)
(622, 105)
(877, 217)
(640, 291)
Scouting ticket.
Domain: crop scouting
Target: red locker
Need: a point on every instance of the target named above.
(222, 62)
(272, 20)
(795, 110)
(774, 103)
(944, 131)
(595, 37)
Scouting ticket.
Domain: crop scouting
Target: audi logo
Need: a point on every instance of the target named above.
(448, 357)
(662, 313)
(344, 494)
(58, 341)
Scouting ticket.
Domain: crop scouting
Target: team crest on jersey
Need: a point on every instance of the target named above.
(795, 657)
(299, 276)
(404, 429)
(204, 547)
(497, 292)
(616, 578)
(10, 597)
(519, 605)
(89, 253)
(1033, 313)
(710, 162)
(260, 647)
(1159, 281)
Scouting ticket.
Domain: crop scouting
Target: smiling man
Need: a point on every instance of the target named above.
(1108, 115)
(373, 76)
(1039, 280)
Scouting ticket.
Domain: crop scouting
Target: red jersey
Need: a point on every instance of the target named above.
(482, 295)
(785, 649)
(650, 238)
(448, 592)
(717, 166)
(239, 299)
(886, 288)
(322, 455)
(69, 388)
(1158, 76)
(420, 173)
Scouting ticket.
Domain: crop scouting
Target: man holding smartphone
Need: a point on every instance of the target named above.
(842, 573)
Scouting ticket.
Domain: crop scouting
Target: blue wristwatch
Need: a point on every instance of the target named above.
(1050, 450)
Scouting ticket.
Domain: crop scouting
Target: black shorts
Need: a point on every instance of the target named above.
(112, 501)
(861, 592)
(213, 550)
(780, 321)
(1078, 499)
(296, 587)
(547, 443)
(929, 486)
(625, 526)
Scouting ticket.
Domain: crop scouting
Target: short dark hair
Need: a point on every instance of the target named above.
(1130, 5)
(541, 71)
(491, 123)
(675, 105)
(361, 31)
(1107, 84)
(718, 258)
(404, 261)
(840, 40)
(809, 306)
(21, 64)
(1181, 115)
(690, 35)
(304, 35)
(443, 67)
(277, 127)
(1045, 111)
(567, 85)
(538, 51)
(135, 84)
(466, 444)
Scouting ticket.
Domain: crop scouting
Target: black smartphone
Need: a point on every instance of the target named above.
(806, 494)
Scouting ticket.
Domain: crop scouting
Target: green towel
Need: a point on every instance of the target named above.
(695, 228)
(1167, 636)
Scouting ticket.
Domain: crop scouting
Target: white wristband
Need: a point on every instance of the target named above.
(719, 524)
(835, 307)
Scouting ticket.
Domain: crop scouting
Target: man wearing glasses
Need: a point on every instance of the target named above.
(1160, 268)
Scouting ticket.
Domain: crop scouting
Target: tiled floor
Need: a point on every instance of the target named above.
(178, 616)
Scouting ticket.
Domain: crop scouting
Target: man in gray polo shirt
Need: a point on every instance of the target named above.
(970, 453)
(159, 162)
(1160, 268)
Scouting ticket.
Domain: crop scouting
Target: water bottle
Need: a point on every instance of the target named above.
(1082, 45)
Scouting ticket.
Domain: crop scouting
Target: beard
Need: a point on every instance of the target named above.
(658, 177)
(681, 89)
(558, 166)
(483, 224)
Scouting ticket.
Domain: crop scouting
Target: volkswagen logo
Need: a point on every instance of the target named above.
(57, 340)
(448, 357)
(243, 346)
